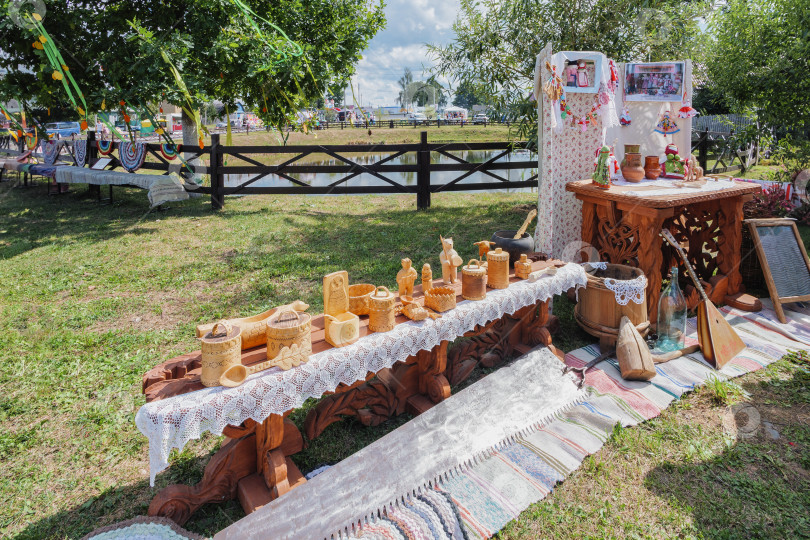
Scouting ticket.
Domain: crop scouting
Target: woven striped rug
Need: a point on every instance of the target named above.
(497, 489)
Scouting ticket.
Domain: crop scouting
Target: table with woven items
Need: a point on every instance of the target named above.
(623, 224)
(382, 375)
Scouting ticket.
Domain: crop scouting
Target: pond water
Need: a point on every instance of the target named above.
(408, 178)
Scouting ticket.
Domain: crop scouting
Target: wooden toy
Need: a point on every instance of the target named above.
(336, 293)
(441, 298)
(412, 309)
(450, 261)
(474, 281)
(292, 330)
(221, 348)
(254, 329)
(548, 271)
(498, 269)
(358, 297)
(382, 312)
(484, 247)
(523, 267)
(405, 278)
(341, 330)
(427, 278)
(236, 374)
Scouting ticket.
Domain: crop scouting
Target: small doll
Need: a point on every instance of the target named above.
(601, 171)
(673, 166)
(571, 74)
(582, 74)
(666, 125)
(625, 118)
(686, 110)
(450, 260)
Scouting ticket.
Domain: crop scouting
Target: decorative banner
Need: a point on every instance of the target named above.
(169, 151)
(50, 151)
(31, 140)
(80, 152)
(131, 155)
(105, 148)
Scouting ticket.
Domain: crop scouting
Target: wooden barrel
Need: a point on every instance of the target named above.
(289, 330)
(498, 269)
(473, 281)
(600, 314)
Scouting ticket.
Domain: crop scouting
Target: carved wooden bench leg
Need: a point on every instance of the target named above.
(234, 461)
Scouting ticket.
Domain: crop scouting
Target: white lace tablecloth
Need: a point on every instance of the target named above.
(171, 423)
(668, 187)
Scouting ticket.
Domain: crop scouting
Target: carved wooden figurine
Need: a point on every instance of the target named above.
(336, 293)
(484, 247)
(427, 277)
(450, 260)
(405, 278)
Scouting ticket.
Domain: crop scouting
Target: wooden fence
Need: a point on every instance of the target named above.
(725, 152)
(350, 168)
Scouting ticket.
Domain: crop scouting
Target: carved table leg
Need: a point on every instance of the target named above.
(650, 258)
(234, 461)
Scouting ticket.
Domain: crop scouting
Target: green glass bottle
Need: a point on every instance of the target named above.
(671, 316)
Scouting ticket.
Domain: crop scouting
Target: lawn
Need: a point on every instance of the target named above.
(93, 296)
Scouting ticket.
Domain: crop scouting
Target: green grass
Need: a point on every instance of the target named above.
(93, 296)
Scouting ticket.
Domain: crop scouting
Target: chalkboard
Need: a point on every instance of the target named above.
(784, 261)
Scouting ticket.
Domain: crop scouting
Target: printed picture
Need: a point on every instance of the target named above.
(656, 81)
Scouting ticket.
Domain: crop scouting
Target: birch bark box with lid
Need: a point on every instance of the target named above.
(289, 338)
(221, 348)
(498, 269)
(382, 310)
(473, 281)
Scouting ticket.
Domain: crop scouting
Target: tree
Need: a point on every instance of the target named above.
(404, 82)
(757, 60)
(497, 41)
(124, 51)
(422, 93)
(466, 96)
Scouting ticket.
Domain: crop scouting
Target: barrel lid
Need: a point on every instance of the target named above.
(288, 318)
(222, 331)
(378, 297)
(498, 255)
(474, 269)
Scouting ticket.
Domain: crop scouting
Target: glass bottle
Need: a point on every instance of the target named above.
(671, 316)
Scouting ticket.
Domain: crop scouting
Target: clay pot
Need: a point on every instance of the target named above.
(652, 168)
(632, 171)
(505, 240)
(632, 149)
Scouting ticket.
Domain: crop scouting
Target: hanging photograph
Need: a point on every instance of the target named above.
(654, 81)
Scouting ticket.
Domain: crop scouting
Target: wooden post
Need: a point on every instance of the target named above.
(215, 161)
(92, 156)
(703, 149)
(423, 174)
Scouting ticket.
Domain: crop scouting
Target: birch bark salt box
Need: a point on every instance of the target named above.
(498, 269)
(382, 310)
(289, 338)
(473, 281)
(221, 349)
(523, 267)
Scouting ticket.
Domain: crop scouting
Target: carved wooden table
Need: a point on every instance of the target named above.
(254, 464)
(624, 230)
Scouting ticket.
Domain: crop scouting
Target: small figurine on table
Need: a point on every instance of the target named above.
(427, 278)
(582, 74)
(484, 247)
(406, 278)
(450, 261)
(571, 74)
(673, 166)
(601, 172)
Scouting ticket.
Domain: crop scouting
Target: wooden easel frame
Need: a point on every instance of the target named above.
(753, 225)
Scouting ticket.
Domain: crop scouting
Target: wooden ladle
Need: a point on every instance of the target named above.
(525, 225)
(236, 374)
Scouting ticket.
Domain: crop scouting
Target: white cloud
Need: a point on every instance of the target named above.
(411, 24)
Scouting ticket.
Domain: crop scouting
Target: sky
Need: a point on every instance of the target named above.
(411, 24)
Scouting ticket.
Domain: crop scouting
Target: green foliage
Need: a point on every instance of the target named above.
(757, 59)
(497, 42)
(421, 93)
(466, 95)
(724, 392)
(114, 51)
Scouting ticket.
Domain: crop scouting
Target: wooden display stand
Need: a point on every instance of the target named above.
(624, 230)
(254, 465)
